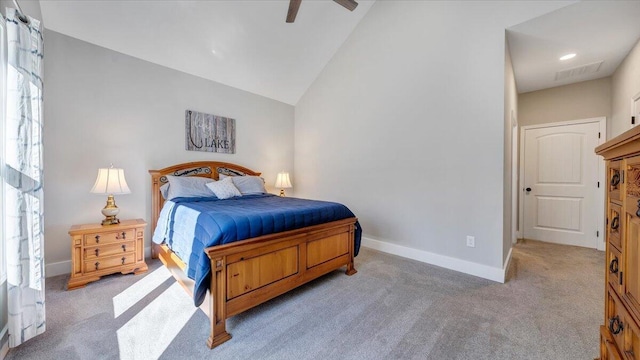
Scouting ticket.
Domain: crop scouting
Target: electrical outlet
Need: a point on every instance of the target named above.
(471, 241)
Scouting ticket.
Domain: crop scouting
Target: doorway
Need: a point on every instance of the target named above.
(562, 183)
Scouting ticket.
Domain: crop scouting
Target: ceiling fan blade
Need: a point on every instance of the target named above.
(294, 5)
(348, 4)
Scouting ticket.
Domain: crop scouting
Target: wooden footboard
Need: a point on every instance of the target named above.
(248, 273)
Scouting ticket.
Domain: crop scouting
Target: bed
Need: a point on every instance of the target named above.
(260, 264)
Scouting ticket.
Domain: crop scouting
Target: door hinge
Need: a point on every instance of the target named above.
(598, 135)
(597, 233)
(633, 120)
(598, 184)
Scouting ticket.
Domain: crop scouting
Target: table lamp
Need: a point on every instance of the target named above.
(110, 182)
(283, 182)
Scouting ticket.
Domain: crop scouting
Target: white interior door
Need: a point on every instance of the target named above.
(561, 184)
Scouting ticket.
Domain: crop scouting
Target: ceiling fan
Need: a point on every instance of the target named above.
(294, 5)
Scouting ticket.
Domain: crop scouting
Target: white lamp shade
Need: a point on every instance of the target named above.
(110, 181)
(282, 181)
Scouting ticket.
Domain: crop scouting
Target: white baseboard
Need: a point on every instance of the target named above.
(464, 266)
(64, 267)
(58, 268)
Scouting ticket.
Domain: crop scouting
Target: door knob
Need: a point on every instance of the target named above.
(527, 189)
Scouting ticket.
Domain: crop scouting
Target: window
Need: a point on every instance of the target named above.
(3, 86)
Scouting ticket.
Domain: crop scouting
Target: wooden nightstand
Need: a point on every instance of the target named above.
(98, 250)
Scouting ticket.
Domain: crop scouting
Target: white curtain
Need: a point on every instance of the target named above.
(23, 180)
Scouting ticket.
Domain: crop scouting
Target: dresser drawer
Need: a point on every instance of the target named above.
(109, 237)
(623, 328)
(608, 348)
(104, 263)
(614, 180)
(615, 319)
(615, 269)
(108, 250)
(615, 225)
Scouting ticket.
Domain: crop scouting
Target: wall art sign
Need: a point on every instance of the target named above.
(210, 133)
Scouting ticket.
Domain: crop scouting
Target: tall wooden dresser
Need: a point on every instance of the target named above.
(620, 334)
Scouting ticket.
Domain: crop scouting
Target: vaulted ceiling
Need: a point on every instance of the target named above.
(243, 44)
(247, 44)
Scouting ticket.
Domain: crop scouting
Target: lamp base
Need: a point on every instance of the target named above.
(282, 192)
(111, 220)
(110, 211)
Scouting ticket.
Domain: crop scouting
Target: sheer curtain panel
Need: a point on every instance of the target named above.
(23, 180)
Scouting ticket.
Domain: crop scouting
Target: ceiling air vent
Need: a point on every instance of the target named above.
(579, 71)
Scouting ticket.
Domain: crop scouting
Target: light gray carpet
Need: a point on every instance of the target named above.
(393, 308)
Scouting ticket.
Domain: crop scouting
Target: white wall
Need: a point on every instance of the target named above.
(510, 142)
(625, 84)
(405, 126)
(104, 107)
(583, 100)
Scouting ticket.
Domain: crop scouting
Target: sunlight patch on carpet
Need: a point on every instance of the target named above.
(149, 333)
(136, 292)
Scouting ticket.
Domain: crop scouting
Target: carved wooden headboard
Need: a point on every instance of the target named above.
(208, 169)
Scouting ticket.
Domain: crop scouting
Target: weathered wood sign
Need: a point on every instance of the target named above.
(211, 133)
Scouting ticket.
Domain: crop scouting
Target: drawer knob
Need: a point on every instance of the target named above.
(615, 179)
(97, 252)
(124, 247)
(97, 239)
(615, 223)
(97, 264)
(123, 259)
(615, 325)
(613, 265)
(124, 236)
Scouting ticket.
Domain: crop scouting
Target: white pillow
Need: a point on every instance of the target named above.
(224, 188)
(248, 185)
(188, 186)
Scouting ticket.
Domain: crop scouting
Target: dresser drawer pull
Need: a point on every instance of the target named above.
(123, 259)
(124, 235)
(97, 252)
(615, 325)
(97, 265)
(97, 239)
(124, 247)
(613, 266)
(615, 179)
(615, 223)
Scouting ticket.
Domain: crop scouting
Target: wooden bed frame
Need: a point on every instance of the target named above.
(249, 272)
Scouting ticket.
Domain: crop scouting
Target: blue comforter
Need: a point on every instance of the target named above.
(224, 221)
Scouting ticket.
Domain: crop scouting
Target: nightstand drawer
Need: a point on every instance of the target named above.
(108, 250)
(108, 262)
(109, 237)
